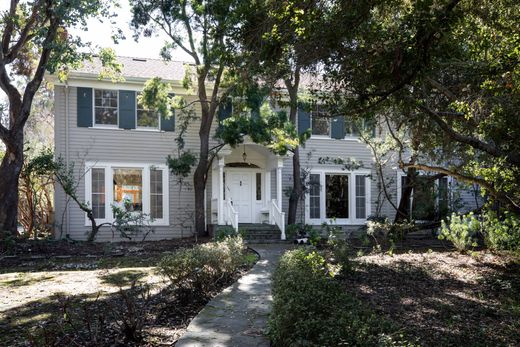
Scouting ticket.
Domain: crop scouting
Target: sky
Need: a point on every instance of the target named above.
(99, 34)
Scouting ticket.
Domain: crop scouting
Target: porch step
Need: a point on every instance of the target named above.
(256, 233)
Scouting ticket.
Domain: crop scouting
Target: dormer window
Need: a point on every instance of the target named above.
(105, 107)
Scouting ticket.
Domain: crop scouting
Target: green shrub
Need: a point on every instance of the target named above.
(501, 234)
(311, 308)
(341, 253)
(298, 230)
(199, 268)
(461, 231)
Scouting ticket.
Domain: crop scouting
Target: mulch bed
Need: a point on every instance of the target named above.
(40, 255)
(441, 297)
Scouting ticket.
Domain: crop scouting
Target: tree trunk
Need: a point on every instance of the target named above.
(404, 204)
(10, 172)
(200, 174)
(297, 190)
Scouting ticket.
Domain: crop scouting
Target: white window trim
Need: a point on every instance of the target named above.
(103, 126)
(401, 174)
(352, 220)
(109, 189)
(141, 128)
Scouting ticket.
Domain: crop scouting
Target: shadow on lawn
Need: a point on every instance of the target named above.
(440, 309)
(96, 320)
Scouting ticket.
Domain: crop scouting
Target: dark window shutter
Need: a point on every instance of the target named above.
(225, 110)
(304, 119)
(84, 103)
(168, 124)
(338, 127)
(127, 109)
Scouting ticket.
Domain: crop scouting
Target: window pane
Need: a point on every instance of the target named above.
(314, 195)
(423, 207)
(156, 194)
(361, 197)
(105, 115)
(336, 196)
(146, 118)
(320, 122)
(105, 102)
(98, 193)
(443, 197)
(258, 186)
(128, 189)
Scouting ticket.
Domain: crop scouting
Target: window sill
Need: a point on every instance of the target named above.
(115, 127)
(154, 224)
(356, 222)
(321, 137)
(149, 130)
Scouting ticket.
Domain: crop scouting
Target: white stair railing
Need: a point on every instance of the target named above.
(230, 215)
(277, 217)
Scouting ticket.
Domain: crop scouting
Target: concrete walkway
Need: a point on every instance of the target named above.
(238, 315)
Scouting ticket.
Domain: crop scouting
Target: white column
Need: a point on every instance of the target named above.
(279, 183)
(221, 191)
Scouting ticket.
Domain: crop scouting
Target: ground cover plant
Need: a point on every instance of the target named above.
(432, 293)
(311, 308)
(89, 294)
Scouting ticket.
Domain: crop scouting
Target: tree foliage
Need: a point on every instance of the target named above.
(444, 78)
(34, 39)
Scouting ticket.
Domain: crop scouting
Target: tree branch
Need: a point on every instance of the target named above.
(471, 141)
(9, 27)
(468, 179)
(25, 36)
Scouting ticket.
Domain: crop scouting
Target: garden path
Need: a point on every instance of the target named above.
(238, 315)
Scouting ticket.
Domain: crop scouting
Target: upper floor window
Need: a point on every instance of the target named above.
(353, 129)
(320, 121)
(105, 107)
(146, 118)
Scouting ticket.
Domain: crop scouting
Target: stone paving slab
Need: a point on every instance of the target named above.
(237, 317)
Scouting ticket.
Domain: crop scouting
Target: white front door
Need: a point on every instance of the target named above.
(240, 187)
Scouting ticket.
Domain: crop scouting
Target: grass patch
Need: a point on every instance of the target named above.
(123, 278)
(24, 279)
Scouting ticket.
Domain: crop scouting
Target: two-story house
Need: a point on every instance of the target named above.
(119, 152)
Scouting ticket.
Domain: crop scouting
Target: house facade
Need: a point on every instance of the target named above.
(118, 151)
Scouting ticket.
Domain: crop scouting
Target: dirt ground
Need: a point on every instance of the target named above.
(442, 297)
(38, 279)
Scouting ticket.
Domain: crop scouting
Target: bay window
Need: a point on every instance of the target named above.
(338, 197)
(137, 188)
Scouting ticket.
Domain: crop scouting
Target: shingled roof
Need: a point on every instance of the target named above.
(139, 68)
(168, 70)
